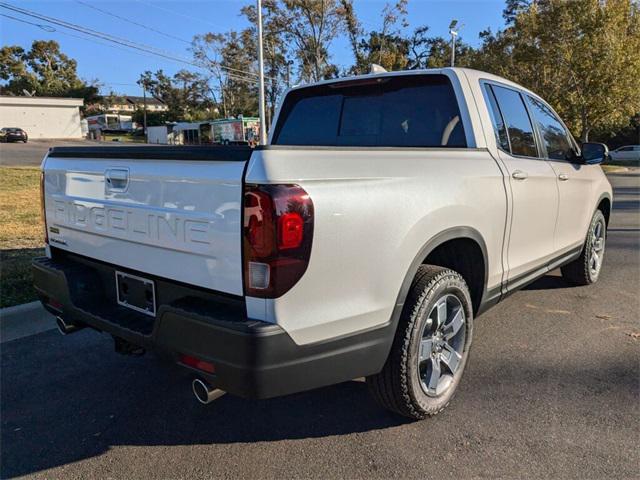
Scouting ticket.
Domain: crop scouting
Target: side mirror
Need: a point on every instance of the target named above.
(594, 153)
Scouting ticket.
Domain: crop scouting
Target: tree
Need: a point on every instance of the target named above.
(44, 71)
(354, 32)
(513, 8)
(439, 53)
(386, 47)
(393, 50)
(581, 56)
(231, 60)
(310, 26)
(185, 94)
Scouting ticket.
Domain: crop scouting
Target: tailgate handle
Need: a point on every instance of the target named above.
(116, 179)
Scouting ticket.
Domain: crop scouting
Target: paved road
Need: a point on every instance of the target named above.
(30, 154)
(552, 391)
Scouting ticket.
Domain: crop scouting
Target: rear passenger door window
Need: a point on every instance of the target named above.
(519, 127)
(554, 136)
(496, 118)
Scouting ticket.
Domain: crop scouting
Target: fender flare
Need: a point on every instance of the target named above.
(453, 233)
(603, 196)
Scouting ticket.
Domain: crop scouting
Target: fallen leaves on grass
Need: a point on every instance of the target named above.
(20, 208)
(21, 235)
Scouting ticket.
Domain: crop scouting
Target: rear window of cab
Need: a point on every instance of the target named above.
(400, 111)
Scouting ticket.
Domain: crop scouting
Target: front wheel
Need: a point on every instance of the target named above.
(431, 346)
(585, 270)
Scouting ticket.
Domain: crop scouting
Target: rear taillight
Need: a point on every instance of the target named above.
(43, 209)
(277, 235)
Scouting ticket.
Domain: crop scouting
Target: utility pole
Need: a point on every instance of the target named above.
(263, 124)
(454, 34)
(144, 121)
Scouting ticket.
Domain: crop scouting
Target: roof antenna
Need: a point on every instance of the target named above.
(375, 68)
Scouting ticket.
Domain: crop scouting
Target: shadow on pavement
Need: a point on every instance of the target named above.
(549, 282)
(91, 399)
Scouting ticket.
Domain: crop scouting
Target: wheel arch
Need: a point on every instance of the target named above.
(463, 234)
(604, 205)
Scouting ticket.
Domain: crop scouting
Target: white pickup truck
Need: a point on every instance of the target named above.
(387, 212)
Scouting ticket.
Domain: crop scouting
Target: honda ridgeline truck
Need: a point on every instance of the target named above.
(386, 213)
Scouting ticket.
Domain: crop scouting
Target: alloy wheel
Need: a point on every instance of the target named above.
(441, 345)
(597, 248)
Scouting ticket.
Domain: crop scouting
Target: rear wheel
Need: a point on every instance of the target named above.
(585, 270)
(431, 347)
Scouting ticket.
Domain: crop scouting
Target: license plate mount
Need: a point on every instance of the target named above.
(136, 293)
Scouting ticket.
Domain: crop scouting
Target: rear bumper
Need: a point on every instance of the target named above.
(252, 358)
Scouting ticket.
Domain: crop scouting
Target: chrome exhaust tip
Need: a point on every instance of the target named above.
(66, 328)
(204, 392)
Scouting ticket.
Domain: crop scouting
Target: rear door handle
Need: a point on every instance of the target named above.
(563, 177)
(520, 175)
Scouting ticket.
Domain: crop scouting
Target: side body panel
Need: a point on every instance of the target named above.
(575, 199)
(534, 213)
(579, 188)
(374, 211)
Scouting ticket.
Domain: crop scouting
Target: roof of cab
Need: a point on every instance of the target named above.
(469, 73)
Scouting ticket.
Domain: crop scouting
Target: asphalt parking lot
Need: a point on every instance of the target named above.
(552, 390)
(30, 154)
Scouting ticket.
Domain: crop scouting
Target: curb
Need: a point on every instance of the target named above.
(24, 320)
(24, 308)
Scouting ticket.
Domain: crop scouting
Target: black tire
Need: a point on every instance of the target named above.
(399, 386)
(580, 271)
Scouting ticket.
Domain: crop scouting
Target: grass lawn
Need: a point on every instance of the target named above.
(21, 235)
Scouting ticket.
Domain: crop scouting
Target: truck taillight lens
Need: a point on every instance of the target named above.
(43, 210)
(277, 236)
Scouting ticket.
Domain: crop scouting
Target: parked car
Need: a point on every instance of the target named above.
(10, 134)
(628, 153)
(387, 212)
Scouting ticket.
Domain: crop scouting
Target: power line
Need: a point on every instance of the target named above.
(124, 19)
(117, 40)
(46, 28)
(50, 29)
(88, 31)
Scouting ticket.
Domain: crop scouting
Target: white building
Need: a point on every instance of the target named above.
(129, 103)
(42, 117)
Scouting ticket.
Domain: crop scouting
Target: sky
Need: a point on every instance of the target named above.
(117, 68)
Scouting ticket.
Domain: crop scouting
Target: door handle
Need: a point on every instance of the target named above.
(520, 175)
(117, 179)
(563, 177)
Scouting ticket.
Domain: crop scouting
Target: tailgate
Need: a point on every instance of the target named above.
(176, 216)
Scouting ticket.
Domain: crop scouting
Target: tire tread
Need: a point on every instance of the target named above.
(390, 388)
